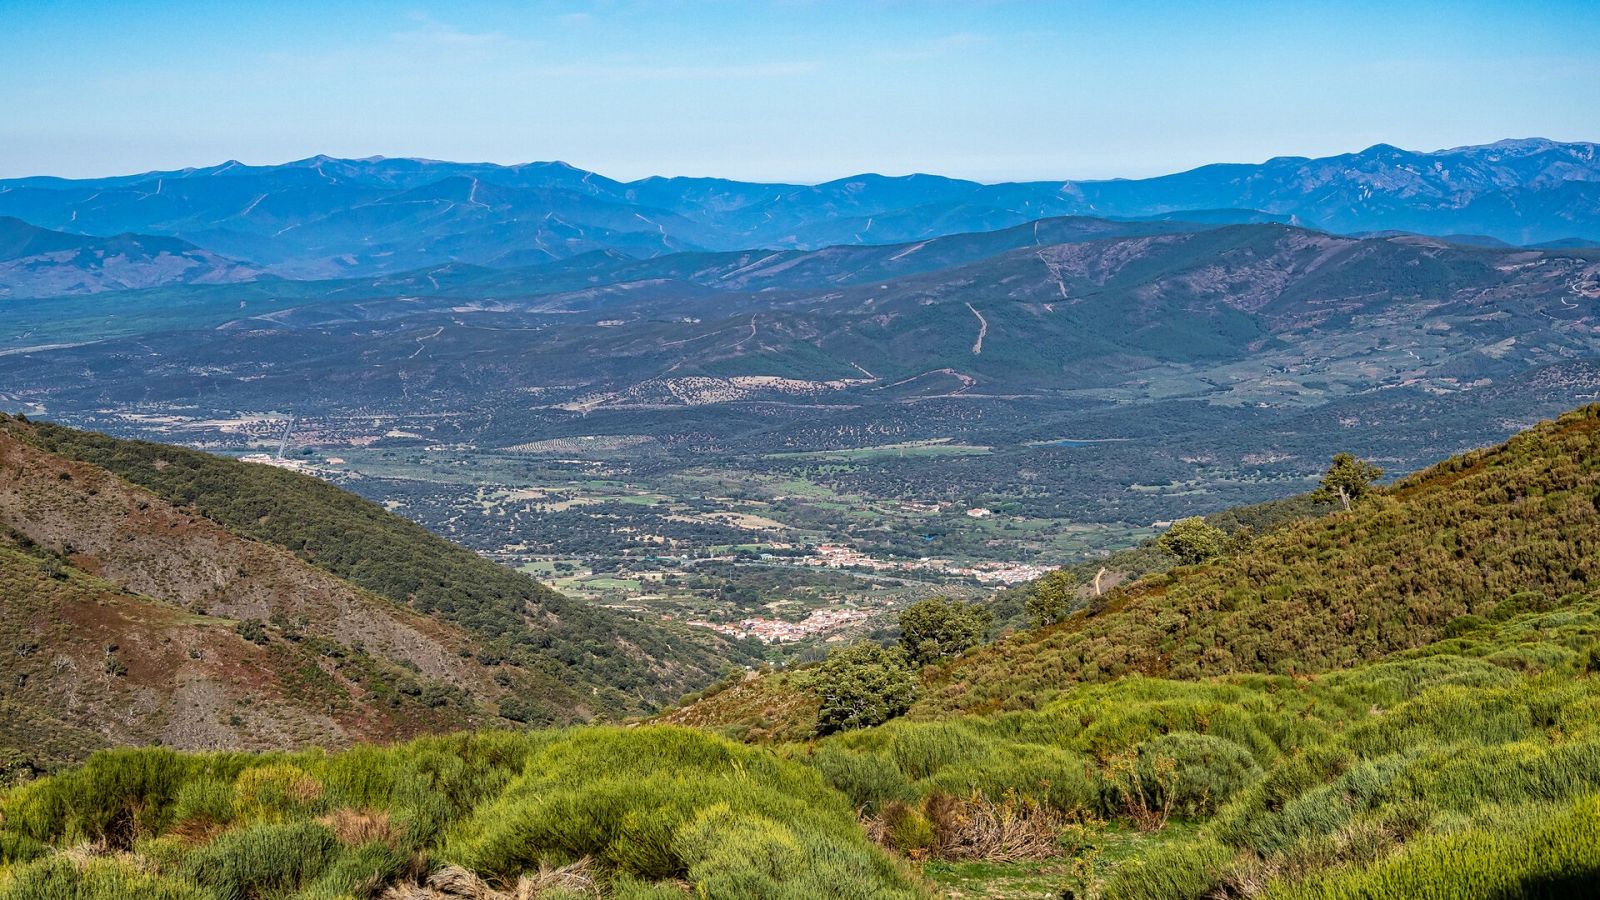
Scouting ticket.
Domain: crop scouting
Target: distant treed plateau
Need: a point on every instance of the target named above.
(715, 394)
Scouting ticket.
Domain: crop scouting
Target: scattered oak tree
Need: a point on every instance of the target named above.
(863, 685)
(1051, 598)
(1193, 540)
(1348, 480)
(932, 631)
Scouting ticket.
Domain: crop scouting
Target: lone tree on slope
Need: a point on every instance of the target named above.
(1193, 540)
(863, 685)
(1051, 598)
(1348, 480)
(935, 630)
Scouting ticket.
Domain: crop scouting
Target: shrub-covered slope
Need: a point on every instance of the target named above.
(648, 813)
(618, 664)
(1469, 767)
(1460, 759)
(127, 620)
(1493, 531)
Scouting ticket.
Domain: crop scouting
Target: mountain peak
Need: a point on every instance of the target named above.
(1384, 151)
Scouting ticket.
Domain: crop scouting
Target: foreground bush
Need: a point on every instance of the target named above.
(639, 811)
(1527, 852)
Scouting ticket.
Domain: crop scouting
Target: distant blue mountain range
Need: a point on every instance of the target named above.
(323, 217)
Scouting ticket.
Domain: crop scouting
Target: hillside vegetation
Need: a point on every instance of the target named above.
(619, 664)
(88, 664)
(1514, 527)
(640, 814)
(1502, 529)
(1469, 766)
(1417, 715)
(129, 620)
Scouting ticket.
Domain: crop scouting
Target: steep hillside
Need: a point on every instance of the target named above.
(1494, 532)
(248, 540)
(135, 621)
(1450, 760)
(90, 664)
(1509, 528)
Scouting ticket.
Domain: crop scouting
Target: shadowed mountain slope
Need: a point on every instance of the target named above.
(37, 262)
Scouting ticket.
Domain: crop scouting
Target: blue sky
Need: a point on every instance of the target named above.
(796, 90)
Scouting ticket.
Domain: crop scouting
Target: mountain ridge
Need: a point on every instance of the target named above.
(294, 219)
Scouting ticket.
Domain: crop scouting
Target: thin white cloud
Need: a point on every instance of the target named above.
(433, 33)
(682, 72)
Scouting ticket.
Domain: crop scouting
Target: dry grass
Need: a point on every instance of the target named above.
(354, 827)
(198, 830)
(1009, 830)
(456, 883)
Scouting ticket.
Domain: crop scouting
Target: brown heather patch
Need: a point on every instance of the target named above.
(1007, 830)
(456, 883)
(354, 827)
(194, 832)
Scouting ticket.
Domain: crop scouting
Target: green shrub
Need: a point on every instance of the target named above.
(59, 878)
(1519, 603)
(869, 780)
(252, 630)
(1466, 624)
(276, 792)
(263, 859)
(114, 798)
(15, 848)
(205, 800)
(667, 803)
(1175, 871)
(730, 854)
(1532, 852)
(360, 872)
(908, 828)
(1207, 772)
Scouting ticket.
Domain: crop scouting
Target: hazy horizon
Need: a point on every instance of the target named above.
(793, 91)
(845, 175)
